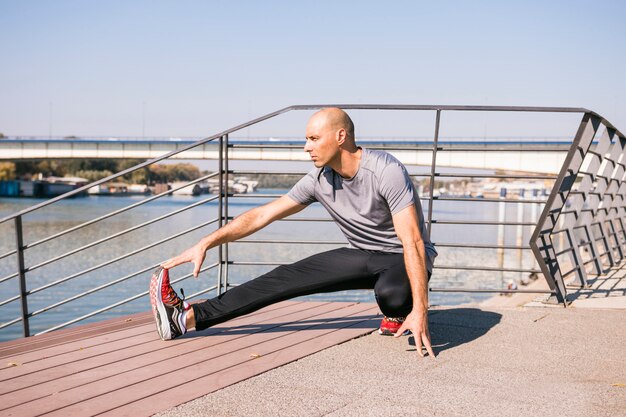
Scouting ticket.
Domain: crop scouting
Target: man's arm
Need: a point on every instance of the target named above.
(405, 223)
(242, 226)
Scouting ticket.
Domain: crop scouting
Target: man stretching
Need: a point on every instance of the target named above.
(370, 196)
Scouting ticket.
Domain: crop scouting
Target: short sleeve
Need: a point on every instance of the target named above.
(396, 187)
(304, 190)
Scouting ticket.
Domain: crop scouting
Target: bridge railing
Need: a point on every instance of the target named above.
(223, 260)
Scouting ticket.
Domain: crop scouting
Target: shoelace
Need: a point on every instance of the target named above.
(172, 298)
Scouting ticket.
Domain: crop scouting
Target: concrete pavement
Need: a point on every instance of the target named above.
(491, 362)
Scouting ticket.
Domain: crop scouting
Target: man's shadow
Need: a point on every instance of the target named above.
(453, 327)
(449, 328)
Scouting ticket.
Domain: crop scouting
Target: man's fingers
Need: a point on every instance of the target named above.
(167, 264)
(171, 263)
(429, 349)
(400, 331)
(196, 269)
(418, 343)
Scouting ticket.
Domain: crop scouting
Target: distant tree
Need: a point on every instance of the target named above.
(7, 171)
(51, 167)
(173, 172)
(92, 175)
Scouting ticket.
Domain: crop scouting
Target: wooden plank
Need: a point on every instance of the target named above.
(104, 395)
(125, 371)
(93, 346)
(210, 383)
(61, 336)
(89, 360)
(81, 332)
(29, 388)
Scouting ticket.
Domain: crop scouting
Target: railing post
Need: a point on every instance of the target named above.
(220, 260)
(226, 168)
(433, 168)
(22, 274)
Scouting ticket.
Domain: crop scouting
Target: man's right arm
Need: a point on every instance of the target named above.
(242, 226)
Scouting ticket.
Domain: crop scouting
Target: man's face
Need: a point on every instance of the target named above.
(321, 141)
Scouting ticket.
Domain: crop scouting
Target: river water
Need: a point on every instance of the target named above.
(69, 213)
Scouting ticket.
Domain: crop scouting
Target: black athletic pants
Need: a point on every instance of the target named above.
(335, 270)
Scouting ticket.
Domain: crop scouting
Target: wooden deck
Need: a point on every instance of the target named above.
(121, 367)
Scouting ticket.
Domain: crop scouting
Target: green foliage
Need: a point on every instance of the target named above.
(173, 172)
(92, 175)
(95, 169)
(7, 171)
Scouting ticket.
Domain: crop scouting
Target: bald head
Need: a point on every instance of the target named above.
(336, 119)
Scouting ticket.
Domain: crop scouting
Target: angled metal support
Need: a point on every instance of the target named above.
(541, 240)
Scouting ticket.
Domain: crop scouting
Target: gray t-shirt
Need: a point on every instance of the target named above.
(362, 206)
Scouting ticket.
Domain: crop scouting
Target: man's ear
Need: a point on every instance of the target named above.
(341, 136)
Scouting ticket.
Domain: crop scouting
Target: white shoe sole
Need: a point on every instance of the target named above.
(158, 308)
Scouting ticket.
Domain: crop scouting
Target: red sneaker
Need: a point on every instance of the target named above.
(389, 326)
(167, 307)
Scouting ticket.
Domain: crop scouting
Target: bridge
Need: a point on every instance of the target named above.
(525, 155)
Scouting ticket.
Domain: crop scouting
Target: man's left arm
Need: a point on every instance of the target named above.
(405, 223)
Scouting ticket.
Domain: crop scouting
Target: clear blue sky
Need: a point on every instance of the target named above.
(193, 68)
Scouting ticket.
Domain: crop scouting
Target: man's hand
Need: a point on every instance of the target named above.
(417, 323)
(194, 254)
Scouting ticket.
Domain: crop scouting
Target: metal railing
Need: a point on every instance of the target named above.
(585, 210)
(578, 218)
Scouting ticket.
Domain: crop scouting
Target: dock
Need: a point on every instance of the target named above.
(120, 367)
(302, 358)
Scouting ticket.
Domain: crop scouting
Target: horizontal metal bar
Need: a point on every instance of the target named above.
(473, 199)
(523, 109)
(10, 323)
(480, 290)
(13, 252)
(116, 212)
(120, 233)
(295, 242)
(112, 306)
(486, 268)
(247, 172)
(483, 223)
(438, 245)
(516, 148)
(119, 258)
(521, 177)
(8, 277)
(255, 195)
(479, 246)
(419, 147)
(571, 271)
(9, 300)
(489, 200)
(300, 219)
(469, 268)
(564, 251)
